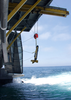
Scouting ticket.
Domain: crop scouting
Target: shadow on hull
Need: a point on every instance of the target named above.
(4, 77)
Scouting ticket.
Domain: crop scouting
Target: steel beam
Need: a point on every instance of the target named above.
(55, 11)
(32, 7)
(15, 10)
(43, 10)
(15, 38)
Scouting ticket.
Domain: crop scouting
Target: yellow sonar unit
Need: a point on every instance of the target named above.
(35, 55)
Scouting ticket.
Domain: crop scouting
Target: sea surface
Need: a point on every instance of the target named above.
(40, 83)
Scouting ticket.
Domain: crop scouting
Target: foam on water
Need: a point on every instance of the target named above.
(55, 85)
(62, 79)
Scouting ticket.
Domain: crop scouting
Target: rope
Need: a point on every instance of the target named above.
(34, 30)
(37, 27)
(28, 52)
(56, 4)
(27, 39)
(27, 59)
(35, 42)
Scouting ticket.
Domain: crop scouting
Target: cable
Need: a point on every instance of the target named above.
(27, 39)
(56, 4)
(37, 26)
(27, 59)
(28, 52)
(31, 38)
(34, 29)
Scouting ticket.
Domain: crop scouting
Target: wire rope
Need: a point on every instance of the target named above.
(27, 39)
(28, 51)
(28, 58)
(56, 4)
(31, 38)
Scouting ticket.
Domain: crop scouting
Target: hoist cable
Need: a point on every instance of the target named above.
(37, 27)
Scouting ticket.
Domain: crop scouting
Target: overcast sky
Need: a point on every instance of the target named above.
(54, 39)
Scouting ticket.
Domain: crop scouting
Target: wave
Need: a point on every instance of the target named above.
(62, 79)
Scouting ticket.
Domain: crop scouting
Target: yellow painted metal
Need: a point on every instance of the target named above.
(15, 38)
(41, 10)
(32, 7)
(35, 57)
(33, 61)
(14, 11)
(56, 13)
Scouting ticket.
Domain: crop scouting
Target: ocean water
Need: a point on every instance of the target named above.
(40, 83)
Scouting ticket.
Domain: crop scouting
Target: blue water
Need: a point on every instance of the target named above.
(40, 83)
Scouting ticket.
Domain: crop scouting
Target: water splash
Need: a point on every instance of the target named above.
(63, 79)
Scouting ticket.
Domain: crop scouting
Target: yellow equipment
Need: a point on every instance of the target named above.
(35, 56)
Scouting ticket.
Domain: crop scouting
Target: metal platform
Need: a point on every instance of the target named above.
(33, 16)
(30, 19)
